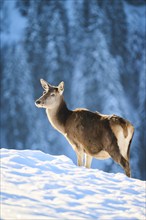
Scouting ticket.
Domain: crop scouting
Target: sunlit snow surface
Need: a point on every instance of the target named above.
(35, 185)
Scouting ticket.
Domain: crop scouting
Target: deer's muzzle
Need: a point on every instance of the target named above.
(38, 102)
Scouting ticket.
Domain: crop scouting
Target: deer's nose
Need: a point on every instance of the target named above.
(38, 102)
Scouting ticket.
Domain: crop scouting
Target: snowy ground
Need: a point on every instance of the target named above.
(39, 186)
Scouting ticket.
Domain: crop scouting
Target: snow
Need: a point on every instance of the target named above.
(35, 185)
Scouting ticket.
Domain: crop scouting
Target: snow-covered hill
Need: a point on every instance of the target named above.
(35, 185)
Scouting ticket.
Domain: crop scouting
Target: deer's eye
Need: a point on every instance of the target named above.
(44, 92)
(52, 94)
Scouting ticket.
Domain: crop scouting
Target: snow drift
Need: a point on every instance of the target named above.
(35, 185)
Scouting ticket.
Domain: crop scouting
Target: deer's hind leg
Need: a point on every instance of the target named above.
(115, 154)
(125, 164)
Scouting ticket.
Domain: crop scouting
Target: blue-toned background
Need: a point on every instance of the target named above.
(95, 46)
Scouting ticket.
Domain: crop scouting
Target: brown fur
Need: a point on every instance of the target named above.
(88, 132)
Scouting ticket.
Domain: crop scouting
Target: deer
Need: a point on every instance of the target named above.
(91, 134)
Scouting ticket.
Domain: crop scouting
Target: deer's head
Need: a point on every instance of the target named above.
(52, 95)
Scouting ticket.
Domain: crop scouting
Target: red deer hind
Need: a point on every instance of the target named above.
(90, 133)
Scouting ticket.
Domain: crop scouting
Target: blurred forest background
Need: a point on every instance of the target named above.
(97, 47)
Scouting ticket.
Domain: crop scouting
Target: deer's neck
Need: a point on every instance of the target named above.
(58, 116)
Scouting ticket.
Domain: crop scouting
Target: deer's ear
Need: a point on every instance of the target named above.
(61, 88)
(44, 84)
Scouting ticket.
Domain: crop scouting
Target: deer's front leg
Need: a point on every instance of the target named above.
(80, 158)
(88, 161)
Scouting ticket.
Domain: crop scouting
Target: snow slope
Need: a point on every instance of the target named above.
(35, 185)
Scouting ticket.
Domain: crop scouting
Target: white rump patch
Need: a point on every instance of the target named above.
(123, 142)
